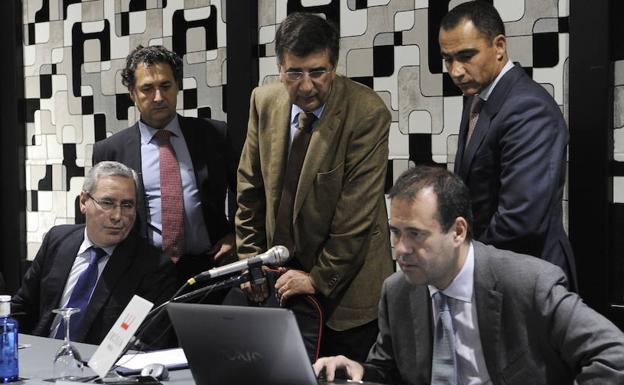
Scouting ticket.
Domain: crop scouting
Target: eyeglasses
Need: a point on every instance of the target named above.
(108, 205)
(294, 76)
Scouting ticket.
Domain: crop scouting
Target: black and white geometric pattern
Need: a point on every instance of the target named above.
(74, 52)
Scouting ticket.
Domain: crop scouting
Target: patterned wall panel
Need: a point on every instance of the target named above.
(74, 51)
(618, 133)
(617, 207)
(391, 46)
(73, 54)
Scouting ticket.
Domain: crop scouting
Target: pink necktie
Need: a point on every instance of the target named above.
(171, 199)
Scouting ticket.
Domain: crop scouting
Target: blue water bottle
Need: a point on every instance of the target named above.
(9, 367)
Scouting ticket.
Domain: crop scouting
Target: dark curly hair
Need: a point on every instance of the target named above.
(153, 54)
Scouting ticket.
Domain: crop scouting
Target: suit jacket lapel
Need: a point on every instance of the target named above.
(421, 316)
(57, 277)
(198, 152)
(461, 143)
(322, 138)
(489, 308)
(480, 131)
(134, 157)
(280, 140)
(118, 263)
(487, 114)
(133, 161)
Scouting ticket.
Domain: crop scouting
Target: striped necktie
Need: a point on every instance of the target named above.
(475, 109)
(283, 224)
(81, 294)
(444, 364)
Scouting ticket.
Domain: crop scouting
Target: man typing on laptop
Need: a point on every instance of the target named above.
(461, 312)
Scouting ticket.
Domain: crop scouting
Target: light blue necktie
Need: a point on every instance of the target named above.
(82, 293)
(444, 365)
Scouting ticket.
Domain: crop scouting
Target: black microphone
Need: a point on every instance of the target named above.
(276, 255)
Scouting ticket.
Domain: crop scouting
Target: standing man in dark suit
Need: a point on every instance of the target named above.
(512, 140)
(185, 166)
(461, 312)
(122, 263)
(312, 177)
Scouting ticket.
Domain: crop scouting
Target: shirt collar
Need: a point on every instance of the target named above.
(86, 244)
(461, 287)
(295, 110)
(487, 91)
(147, 132)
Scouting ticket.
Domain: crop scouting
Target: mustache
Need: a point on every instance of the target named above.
(402, 258)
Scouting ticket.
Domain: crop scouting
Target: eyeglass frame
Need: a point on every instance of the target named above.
(125, 206)
(313, 75)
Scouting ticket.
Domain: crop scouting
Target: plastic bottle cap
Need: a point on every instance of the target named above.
(5, 305)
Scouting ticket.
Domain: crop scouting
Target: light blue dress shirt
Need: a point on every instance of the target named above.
(196, 236)
(471, 369)
(294, 121)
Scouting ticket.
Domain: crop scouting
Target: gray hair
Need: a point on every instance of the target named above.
(108, 168)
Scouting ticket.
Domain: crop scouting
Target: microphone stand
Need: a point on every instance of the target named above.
(255, 275)
(225, 284)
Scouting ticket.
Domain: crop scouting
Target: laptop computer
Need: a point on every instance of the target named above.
(241, 345)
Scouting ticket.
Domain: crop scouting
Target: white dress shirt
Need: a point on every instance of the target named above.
(487, 91)
(81, 262)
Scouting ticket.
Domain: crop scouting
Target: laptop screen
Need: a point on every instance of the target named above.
(241, 345)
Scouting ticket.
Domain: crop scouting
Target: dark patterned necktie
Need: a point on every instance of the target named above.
(283, 224)
(475, 109)
(171, 198)
(444, 365)
(82, 293)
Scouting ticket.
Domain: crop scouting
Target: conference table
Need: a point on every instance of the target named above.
(37, 353)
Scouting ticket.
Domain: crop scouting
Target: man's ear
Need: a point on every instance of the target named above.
(500, 43)
(332, 74)
(460, 230)
(83, 201)
(279, 71)
(131, 93)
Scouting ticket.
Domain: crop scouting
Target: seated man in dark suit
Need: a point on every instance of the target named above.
(97, 267)
(461, 312)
